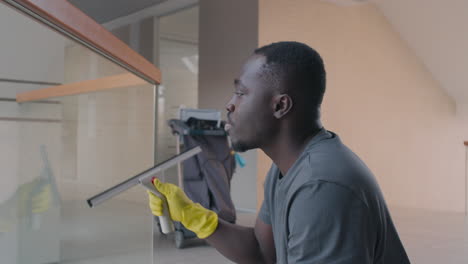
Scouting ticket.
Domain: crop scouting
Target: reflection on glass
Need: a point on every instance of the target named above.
(57, 153)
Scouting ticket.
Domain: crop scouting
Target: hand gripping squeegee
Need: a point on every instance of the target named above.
(145, 179)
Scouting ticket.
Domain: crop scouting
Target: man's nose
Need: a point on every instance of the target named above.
(230, 107)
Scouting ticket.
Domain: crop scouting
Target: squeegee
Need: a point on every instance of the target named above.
(144, 178)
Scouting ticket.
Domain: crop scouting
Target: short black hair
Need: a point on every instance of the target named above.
(300, 70)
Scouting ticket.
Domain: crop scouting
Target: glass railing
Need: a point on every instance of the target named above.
(56, 153)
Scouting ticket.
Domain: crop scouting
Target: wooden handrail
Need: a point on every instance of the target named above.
(115, 81)
(75, 23)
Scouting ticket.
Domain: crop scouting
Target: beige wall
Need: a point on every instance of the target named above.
(228, 35)
(381, 100)
(442, 24)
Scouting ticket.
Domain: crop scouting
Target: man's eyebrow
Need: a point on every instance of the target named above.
(238, 83)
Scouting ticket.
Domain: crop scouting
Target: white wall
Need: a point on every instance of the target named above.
(380, 99)
(228, 36)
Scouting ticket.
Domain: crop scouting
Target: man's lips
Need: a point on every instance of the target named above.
(227, 127)
(228, 124)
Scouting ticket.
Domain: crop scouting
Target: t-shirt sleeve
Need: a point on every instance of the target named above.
(327, 223)
(264, 213)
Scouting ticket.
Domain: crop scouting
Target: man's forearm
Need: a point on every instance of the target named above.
(236, 243)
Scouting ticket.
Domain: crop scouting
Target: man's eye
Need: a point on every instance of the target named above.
(238, 93)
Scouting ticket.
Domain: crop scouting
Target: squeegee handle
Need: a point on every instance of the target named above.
(167, 226)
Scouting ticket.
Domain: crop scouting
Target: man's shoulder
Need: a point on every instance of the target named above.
(341, 171)
(321, 192)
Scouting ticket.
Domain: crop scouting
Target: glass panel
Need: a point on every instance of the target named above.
(178, 59)
(57, 153)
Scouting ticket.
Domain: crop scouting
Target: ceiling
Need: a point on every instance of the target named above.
(106, 10)
(346, 2)
(437, 32)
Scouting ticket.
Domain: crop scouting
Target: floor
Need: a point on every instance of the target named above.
(433, 237)
(114, 232)
(121, 233)
(196, 252)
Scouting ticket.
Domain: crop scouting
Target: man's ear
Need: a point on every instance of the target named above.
(282, 104)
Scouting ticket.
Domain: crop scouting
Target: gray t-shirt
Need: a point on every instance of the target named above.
(328, 208)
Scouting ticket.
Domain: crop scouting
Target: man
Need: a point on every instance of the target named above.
(322, 204)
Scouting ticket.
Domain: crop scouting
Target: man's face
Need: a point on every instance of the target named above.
(251, 123)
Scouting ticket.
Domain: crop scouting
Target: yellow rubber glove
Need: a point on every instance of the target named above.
(41, 201)
(34, 197)
(5, 226)
(193, 216)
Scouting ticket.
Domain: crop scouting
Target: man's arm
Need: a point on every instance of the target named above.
(244, 244)
(239, 244)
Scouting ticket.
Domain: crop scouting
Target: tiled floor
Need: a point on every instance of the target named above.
(113, 237)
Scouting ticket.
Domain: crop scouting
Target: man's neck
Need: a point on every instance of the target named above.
(286, 149)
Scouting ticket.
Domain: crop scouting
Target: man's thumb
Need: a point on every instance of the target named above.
(161, 187)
